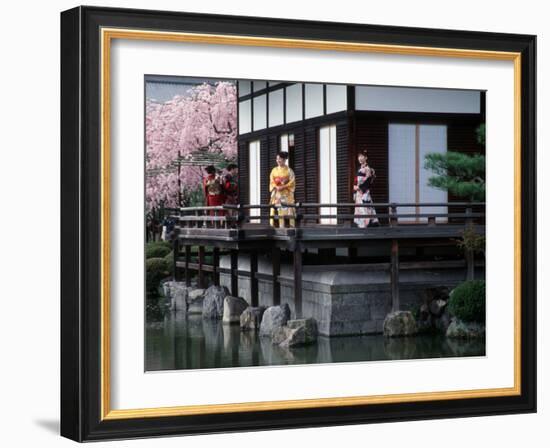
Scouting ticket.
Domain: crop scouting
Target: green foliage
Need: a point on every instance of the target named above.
(193, 197)
(169, 257)
(472, 240)
(156, 269)
(157, 249)
(480, 134)
(467, 301)
(460, 174)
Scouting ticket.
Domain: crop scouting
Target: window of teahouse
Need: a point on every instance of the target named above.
(293, 103)
(260, 112)
(276, 108)
(408, 145)
(255, 180)
(336, 98)
(327, 172)
(314, 100)
(287, 144)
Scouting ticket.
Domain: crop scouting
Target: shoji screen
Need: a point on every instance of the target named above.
(408, 145)
(254, 176)
(327, 171)
(402, 162)
(432, 139)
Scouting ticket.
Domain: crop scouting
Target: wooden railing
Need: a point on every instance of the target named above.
(342, 214)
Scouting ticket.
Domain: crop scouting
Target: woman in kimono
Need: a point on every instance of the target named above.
(213, 192)
(282, 184)
(363, 180)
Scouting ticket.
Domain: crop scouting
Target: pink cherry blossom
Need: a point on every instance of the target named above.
(204, 120)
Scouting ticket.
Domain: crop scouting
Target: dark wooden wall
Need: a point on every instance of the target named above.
(372, 135)
(244, 175)
(353, 134)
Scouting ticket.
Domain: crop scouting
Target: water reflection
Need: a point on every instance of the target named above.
(181, 341)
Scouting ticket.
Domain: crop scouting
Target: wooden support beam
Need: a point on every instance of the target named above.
(394, 275)
(254, 278)
(469, 255)
(276, 271)
(187, 262)
(298, 268)
(234, 273)
(175, 249)
(216, 262)
(201, 271)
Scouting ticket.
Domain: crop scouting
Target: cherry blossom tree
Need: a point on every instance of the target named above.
(203, 121)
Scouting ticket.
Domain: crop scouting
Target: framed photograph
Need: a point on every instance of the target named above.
(274, 223)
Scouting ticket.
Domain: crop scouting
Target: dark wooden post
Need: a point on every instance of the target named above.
(394, 275)
(393, 211)
(187, 261)
(254, 278)
(175, 248)
(234, 272)
(469, 253)
(276, 271)
(201, 271)
(298, 281)
(216, 263)
(469, 264)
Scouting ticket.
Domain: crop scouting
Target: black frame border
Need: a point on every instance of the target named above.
(81, 223)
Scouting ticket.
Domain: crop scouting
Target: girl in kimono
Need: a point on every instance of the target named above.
(363, 180)
(282, 184)
(213, 192)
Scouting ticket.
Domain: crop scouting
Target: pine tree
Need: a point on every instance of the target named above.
(460, 174)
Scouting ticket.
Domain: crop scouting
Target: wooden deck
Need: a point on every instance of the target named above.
(236, 228)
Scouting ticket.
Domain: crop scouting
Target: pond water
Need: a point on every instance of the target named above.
(180, 341)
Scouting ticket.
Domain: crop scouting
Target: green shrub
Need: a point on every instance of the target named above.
(169, 257)
(467, 301)
(157, 249)
(156, 269)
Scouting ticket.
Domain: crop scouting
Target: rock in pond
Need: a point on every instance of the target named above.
(178, 297)
(295, 333)
(212, 307)
(437, 306)
(167, 288)
(442, 322)
(309, 326)
(274, 317)
(233, 307)
(251, 318)
(465, 330)
(399, 323)
(195, 299)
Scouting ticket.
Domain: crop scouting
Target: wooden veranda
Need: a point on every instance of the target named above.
(246, 228)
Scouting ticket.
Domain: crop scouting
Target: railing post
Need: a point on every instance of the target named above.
(393, 211)
(394, 275)
(297, 214)
(240, 216)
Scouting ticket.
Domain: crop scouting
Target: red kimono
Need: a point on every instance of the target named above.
(213, 191)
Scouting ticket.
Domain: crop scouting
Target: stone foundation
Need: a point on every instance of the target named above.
(345, 299)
